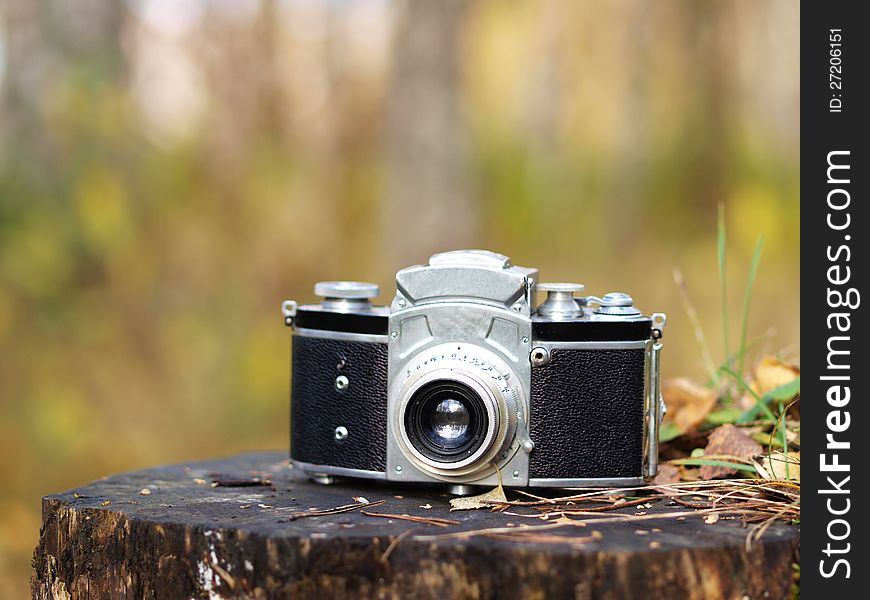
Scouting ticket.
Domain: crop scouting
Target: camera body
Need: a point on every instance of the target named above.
(464, 380)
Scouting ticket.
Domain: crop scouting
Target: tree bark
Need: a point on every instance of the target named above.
(186, 539)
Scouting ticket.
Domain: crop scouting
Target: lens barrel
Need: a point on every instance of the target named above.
(446, 420)
(455, 415)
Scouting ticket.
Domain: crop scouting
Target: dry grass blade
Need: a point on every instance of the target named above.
(753, 499)
(657, 488)
(534, 529)
(695, 321)
(613, 505)
(757, 531)
(530, 495)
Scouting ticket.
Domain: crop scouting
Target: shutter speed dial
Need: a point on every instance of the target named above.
(615, 303)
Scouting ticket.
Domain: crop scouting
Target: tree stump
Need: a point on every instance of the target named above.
(231, 529)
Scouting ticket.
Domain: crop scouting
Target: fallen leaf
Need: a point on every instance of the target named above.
(480, 501)
(772, 373)
(360, 499)
(667, 474)
(199, 481)
(710, 519)
(264, 506)
(689, 474)
(426, 506)
(144, 492)
(730, 441)
(105, 503)
(775, 463)
(688, 403)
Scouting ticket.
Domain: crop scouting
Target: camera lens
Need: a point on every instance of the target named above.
(446, 421)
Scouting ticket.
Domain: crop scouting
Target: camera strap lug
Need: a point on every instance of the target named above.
(659, 320)
(288, 309)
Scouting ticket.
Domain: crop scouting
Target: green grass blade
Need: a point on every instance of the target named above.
(759, 402)
(723, 286)
(699, 462)
(784, 392)
(747, 298)
(784, 440)
(723, 416)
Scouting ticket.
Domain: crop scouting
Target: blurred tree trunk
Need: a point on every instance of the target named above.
(709, 33)
(429, 204)
(631, 169)
(46, 42)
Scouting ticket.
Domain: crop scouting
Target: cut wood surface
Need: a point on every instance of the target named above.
(250, 527)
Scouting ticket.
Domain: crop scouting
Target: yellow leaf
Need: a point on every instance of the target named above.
(688, 403)
(480, 501)
(771, 373)
(776, 462)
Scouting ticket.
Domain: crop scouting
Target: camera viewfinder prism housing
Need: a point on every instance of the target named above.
(464, 380)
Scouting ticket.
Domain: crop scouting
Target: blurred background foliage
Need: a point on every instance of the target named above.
(170, 170)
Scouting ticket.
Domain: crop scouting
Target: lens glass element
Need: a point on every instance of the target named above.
(448, 423)
(446, 420)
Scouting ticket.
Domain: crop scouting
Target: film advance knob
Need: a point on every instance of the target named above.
(560, 302)
(346, 296)
(346, 290)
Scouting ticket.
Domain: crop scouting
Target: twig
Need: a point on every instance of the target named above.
(332, 511)
(395, 543)
(522, 536)
(427, 520)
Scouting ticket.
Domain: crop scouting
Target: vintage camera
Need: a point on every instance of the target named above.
(464, 380)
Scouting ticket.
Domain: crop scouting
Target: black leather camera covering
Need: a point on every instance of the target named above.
(587, 414)
(317, 407)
